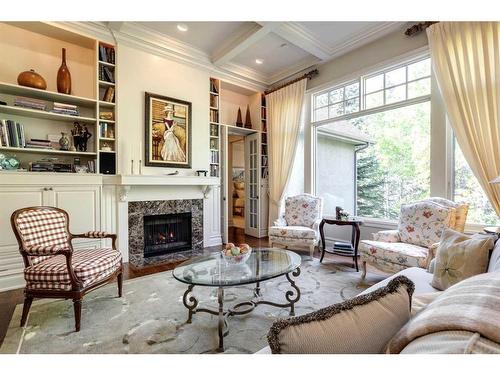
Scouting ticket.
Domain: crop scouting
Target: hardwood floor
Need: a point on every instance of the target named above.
(11, 298)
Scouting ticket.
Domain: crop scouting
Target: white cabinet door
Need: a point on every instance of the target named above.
(11, 262)
(82, 203)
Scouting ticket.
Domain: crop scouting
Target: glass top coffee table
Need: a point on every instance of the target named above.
(214, 271)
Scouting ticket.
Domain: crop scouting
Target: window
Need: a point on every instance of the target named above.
(375, 153)
(466, 189)
(393, 85)
(337, 102)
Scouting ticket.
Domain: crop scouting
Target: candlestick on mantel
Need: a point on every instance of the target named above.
(132, 166)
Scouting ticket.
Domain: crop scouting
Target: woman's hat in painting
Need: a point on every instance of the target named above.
(169, 108)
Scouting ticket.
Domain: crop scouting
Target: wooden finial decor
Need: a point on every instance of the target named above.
(418, 28)
(248, 120)
(239, 121)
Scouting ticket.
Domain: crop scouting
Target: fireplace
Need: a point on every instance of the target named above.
(164, 231)
(165, 234)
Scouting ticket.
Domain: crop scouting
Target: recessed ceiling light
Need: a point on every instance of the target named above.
(182, 27)
(259, 61)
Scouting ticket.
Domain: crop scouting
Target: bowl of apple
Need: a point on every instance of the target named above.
(233, 254)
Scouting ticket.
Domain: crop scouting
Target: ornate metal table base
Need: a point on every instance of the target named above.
(242, 308)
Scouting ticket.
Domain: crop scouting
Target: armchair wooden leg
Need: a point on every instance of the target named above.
(77, 307)
(26, 309)
(311, 250)
(363, 269)
(120, 283)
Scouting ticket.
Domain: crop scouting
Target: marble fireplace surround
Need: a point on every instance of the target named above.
(136, 212)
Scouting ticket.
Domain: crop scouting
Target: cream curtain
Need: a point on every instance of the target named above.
(466, 61)
(284, 107)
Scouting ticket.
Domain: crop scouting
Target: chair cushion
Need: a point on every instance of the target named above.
(420, 277)
(302, 210)
(298, 232)
(404, 254)
(90, 265)
(422, 223)
(461, 210)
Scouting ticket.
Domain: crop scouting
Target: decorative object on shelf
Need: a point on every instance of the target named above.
(248, 120)
(168, 132)
(64, 76)
(239, 121)
(201, 172)
(341, 214)
(64, 142)
(106, 115)
(172, 173)
(338, 210)
(105, 147)
(8, 163)
(81, 135)
(233, 254)
(30, 78)
(81, 169)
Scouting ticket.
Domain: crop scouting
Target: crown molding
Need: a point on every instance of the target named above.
(150, 41)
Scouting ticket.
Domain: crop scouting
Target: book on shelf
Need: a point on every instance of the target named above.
(213, 87)
(109, 95)
(214, 115)
(264, 160)
(30, 103)
(265, 173)
(12, 134)
(106, 54)
(214, 171)
(214, 102)
(214, 157)
(106, 74)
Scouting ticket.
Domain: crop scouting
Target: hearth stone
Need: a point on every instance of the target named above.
(136, 213)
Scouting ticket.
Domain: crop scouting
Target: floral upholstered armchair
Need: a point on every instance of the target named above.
(415, 241)
(299, 227)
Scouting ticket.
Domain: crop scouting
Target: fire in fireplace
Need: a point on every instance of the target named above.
(166, 234)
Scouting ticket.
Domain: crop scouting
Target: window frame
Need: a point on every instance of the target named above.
(442, 156)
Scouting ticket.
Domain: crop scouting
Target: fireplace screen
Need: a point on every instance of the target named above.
(166, 234)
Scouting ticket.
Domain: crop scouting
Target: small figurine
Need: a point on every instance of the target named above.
(81, 135)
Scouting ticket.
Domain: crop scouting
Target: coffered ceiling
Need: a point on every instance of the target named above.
(259, 52)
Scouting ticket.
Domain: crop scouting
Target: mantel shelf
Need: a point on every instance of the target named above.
(162, 180)
(125, 182)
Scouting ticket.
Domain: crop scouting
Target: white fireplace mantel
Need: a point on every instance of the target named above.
(125, 182)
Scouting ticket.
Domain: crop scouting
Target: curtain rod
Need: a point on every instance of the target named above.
(308, 75)
(418, 28)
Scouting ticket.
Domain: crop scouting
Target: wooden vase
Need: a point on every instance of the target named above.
(64, 76)
(30, 78)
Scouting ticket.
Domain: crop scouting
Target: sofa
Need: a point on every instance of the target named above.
(453, 341)
(419, 230)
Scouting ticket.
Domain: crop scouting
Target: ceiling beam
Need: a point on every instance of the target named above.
(237, 45)
(302, 38)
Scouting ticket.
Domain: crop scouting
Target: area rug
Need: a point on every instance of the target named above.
(150, 317)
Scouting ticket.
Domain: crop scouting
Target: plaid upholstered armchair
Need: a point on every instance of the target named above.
(52, 268)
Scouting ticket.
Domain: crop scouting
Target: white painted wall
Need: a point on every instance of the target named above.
(139, 72)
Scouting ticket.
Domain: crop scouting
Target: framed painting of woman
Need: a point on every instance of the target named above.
(168, 132)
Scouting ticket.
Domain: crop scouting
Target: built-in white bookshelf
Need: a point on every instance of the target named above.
(89, 87)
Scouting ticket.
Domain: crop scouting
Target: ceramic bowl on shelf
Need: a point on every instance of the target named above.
(233, 254)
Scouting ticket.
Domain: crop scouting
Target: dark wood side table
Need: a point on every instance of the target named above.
(342, 248)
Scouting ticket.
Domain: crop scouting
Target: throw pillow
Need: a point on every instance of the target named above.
(459, 257)
(494, 264)
(461, 210)
(363, 324)
(422, 223)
